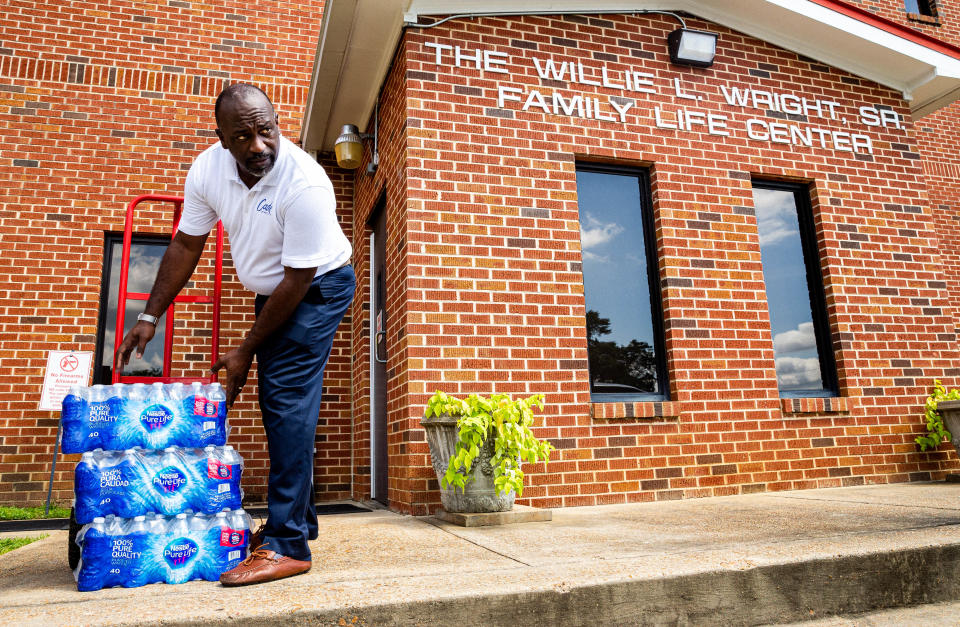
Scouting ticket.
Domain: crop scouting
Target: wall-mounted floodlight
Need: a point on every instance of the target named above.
(692, 47)
(349, 147)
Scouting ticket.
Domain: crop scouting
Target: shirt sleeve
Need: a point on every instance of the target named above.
(198, 216)
(311, 233)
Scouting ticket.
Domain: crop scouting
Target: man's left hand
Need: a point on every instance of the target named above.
(237, 362)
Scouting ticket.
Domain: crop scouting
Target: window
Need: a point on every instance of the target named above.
(145, 255)
(794, 285)
(621, 285)
(920, 7)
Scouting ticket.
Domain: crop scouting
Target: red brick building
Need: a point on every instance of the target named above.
(725, 279)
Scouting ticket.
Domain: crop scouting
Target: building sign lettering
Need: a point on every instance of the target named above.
(798, 120)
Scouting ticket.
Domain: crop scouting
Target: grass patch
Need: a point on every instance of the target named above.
(32, 513)
(9, 544)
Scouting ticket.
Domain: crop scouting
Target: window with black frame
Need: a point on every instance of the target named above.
(145, 255)
(793, 280)
(621, 285)
(921, 7)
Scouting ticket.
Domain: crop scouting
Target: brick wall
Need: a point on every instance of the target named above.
(495, 296)
(99, 102)
(945, 25)
(389, 184)
(103, 101)
(938, 141)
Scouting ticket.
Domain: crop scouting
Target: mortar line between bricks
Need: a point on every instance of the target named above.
(431, 521)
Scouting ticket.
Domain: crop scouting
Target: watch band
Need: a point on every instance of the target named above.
(143, 317)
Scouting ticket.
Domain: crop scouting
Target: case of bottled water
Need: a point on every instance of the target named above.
(121, 416)
(157, 549)
(137, 482)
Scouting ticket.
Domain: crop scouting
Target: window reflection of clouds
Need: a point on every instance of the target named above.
(797, 373)
(144, 263)
(785, 278)
(795, 340)
(594, 233)
(776, 216)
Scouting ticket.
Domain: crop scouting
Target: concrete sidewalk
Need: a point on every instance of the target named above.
(754, 559)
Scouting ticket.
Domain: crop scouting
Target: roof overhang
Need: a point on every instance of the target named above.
(358, 39)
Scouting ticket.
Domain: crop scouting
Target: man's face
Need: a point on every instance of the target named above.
(248, 129)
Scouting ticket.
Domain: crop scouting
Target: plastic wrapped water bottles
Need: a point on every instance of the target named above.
(122, 416)
(137, 482)
(154, 549)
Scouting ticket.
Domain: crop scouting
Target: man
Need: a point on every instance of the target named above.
(278, 207)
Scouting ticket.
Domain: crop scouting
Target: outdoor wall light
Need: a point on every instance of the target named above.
(692, 47)
(349, 147)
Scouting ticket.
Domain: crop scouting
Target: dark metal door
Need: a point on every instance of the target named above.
(378, 359)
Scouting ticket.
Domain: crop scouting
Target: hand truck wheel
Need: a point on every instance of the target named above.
(73, 549)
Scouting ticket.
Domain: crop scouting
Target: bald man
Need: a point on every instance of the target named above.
(278, 207)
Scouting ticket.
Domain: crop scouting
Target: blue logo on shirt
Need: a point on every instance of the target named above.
(264, 207)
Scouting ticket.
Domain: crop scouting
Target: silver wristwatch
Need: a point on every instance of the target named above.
(147, 318)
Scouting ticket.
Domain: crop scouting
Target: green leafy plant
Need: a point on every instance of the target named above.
(936, 430)
(506, 420)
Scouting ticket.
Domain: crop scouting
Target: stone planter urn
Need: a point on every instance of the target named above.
(950, 412)
(479, 495)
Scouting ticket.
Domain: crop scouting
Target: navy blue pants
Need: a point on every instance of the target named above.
(290, 369)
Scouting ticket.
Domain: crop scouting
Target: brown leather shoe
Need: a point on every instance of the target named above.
(256, 538)
(263, 565)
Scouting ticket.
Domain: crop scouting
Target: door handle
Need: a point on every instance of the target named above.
(376, 347)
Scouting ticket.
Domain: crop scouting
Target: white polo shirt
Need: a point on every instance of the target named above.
(287, 219)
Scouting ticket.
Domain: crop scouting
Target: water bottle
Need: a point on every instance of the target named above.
(99, 417)
(229, 541)
(94, 556)
(169, 481)
(176, 392)
(131, 501)
(103, 487)
(222, 480)
(138, 392)
(135, 571)
(119, 390)
(217, 406)
(73, 411)
(198, 526)
(234, 462)
(86, 482)
(156, 525)
(180, 552)
(157, 392)
(205, 412)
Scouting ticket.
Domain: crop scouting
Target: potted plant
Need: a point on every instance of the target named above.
(943, 418)
(477, 445)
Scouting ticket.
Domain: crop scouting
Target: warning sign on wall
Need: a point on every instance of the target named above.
(64, 368)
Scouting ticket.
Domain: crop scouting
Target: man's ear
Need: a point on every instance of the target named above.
(220, 137)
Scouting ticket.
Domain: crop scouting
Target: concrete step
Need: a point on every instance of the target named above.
(743, 560)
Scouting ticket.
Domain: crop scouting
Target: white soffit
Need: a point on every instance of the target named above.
(356, 45)
(358, 39)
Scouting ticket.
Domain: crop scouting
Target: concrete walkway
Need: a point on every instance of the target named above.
(755, 559)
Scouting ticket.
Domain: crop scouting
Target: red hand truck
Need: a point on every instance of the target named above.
(123, 295)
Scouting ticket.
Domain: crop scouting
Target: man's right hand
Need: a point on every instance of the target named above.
(139, 335)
